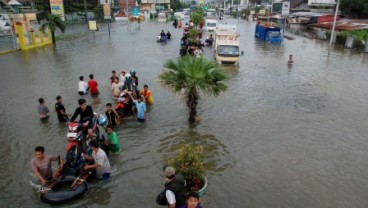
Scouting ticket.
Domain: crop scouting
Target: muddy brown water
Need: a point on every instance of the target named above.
(281, 136)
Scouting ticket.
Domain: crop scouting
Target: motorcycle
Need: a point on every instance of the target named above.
(124, 105)
(78, 143)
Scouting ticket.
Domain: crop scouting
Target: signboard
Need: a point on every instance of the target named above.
(107, 11)
(262, 12)
(57, 7)
(276, 7)
(135, 11)
(92, 25)
(285, 8)
(321, 2)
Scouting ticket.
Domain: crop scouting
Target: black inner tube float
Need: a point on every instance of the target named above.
(62, 191)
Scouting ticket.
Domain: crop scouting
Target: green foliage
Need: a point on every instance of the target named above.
(197, 18)
(340, 39)
(189, 162)
(246, 12)
(189, 75)
(176, 4)
(42, 5)
(198, 10)
(258, 8)
(359, 34)
(53, 21)
(355, 8)
(328, 35)
(98, 10)
(358, 45)
(193, 33)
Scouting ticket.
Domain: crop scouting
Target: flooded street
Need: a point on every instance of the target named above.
(281, 136)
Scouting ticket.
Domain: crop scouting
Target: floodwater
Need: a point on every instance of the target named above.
(279, 137)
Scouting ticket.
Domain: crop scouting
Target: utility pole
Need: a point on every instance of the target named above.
(85, 10)
(334, 22)
(127, 10)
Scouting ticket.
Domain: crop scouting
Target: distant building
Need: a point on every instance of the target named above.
(157, 5)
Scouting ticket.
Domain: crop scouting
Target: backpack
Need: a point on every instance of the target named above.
(161, 198)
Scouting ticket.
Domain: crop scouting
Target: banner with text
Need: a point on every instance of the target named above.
(285, 8)
(57, 7)
(107, 11)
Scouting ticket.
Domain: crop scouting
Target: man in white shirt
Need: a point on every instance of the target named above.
(102, 164)
(82, 86)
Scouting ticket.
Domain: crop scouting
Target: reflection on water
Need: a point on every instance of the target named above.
(281, 136)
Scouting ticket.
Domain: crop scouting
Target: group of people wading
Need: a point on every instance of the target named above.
(128, 99)
(193, 45)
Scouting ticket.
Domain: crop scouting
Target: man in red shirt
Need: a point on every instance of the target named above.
(93, 86)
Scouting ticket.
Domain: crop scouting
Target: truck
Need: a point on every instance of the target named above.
(227, 44)
(269, 34)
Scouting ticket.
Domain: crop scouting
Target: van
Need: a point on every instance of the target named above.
(210, 25)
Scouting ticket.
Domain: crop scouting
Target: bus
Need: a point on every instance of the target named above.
(224, 12)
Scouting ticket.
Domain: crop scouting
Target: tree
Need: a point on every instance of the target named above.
(175, 4)
(190, 76)
(53, 21)
(98, 10)
(354, 8)
(197, 18)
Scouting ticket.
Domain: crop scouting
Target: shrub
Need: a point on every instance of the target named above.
(328, 35)
(189, 162)
(340, 39)
(358, 45)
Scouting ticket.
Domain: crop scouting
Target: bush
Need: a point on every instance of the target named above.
(189, 162)
(98, 10)
(359, 34)
(193, 33)
(341, 39)
(328, 35)
(358, 45)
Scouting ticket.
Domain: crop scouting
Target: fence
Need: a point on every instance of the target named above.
(8, 43)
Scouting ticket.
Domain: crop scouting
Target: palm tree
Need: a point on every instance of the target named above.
(53, 21)
(190, 76)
